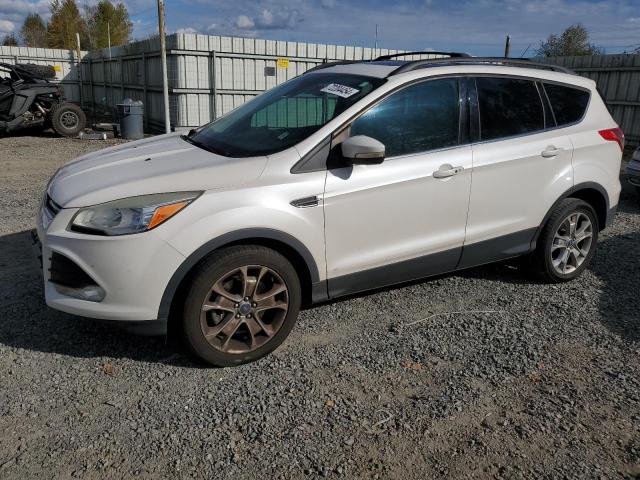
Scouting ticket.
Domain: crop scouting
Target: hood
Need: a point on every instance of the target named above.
(161, 164)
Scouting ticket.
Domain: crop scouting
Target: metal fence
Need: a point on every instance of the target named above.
(64, 62)
(618, 78)
(208, 75)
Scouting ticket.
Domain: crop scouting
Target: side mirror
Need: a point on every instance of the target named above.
(362, 150)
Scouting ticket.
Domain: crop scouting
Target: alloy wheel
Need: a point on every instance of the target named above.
(244, 309)
(572, 243)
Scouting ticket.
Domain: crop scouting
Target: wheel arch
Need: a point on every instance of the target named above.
(592, 193)
(289, 246)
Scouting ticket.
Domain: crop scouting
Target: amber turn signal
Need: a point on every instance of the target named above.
(165, 212)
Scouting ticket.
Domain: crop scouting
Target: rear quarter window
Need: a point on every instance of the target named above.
(568, 104)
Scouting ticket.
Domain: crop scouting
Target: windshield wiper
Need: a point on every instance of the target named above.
(201, 145)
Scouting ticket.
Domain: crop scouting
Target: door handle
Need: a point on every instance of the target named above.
(551, 151)
(446, 171)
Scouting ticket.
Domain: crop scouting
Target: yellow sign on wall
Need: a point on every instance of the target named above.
(57, 68)
(283, 63)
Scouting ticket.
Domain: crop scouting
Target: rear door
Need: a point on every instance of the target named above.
(521, 165)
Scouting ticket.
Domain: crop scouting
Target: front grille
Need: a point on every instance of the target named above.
(65, 272)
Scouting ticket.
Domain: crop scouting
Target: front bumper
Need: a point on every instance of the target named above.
(132, 270)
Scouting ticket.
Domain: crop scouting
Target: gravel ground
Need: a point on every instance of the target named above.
(386, 385)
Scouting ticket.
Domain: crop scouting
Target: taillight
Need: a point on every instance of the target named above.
(613, 135)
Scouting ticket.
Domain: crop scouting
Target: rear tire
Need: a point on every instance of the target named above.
(68, 119)
(568, 241)
(241, 305)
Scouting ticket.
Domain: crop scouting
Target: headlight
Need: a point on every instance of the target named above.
(131, 215)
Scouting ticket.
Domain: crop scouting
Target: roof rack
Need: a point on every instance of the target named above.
(510, 62)
(454, 59)
(326, 64)
(406, 54)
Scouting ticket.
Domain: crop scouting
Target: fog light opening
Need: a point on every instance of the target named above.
(90, 293)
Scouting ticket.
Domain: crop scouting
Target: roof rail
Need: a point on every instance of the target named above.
(510, 62)
(406, 54)
(326, 64)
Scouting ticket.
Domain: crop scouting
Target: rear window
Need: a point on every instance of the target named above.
(568, 104)
(508, 107)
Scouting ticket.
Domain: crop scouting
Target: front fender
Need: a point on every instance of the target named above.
(227, 238)
(222, 218)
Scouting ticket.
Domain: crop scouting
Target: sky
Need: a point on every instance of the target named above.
(477, 27)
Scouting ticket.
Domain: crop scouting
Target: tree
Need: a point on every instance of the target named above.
(65, 22)
(10, 40)
(573, 41)
(106, 19)
(34, 31)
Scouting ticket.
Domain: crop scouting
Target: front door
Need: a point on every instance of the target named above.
(405, 218)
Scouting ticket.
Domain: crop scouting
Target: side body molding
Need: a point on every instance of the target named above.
(319, 288)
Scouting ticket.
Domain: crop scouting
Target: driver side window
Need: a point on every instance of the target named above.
(418, 118)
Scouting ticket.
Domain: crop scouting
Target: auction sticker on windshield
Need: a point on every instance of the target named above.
(340, 90)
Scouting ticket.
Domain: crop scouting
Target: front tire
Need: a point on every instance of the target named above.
(68, 119)
(567, 242)
(242, 303)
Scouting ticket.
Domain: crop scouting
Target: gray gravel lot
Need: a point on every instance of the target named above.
(386, 385)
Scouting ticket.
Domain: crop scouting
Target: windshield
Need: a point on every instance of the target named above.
(284, 115)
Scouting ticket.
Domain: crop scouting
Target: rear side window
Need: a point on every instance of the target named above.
(418, 118)
(568, 104)
(508, 107)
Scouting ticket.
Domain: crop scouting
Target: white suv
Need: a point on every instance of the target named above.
(350, 177)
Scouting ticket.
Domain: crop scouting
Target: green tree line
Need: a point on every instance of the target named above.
(96, 25)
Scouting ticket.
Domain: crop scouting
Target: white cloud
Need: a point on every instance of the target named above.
(328, 3)
(23, 7)
(186, 30)
(244, 23)
(265, 18)
(6, 26)
(282, 18)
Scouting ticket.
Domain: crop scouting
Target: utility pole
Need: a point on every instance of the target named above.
(109, 38)
(163, 56)
(507, 46)
(79, 64)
